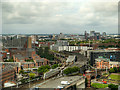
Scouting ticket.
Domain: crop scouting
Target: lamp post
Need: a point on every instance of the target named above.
(96, 71)
(105, 67)
(17, 84)
(29, 81)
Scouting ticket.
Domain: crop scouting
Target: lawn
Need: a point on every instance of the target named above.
(115, 77)
(99, 85)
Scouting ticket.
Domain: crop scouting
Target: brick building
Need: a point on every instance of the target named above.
(8, 73)
(105, 63)
(102, 63)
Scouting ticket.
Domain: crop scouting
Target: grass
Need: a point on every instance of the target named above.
(99, 85)
(115, 77)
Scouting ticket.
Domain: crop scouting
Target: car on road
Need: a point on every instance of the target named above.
(65, 83)
(36, 88)
(59, 86)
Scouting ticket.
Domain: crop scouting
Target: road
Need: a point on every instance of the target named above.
(54, 83)
(81, 86)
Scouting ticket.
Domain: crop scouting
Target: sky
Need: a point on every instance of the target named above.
(54, 17)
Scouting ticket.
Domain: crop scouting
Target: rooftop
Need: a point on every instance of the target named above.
(71, 58)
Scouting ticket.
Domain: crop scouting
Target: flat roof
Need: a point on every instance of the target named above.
(104, 50)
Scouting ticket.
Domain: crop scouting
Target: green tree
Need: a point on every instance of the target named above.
(71, 70)
(86, 82)
(60, 65)
(32, 75)
(113, 87)
(43, 69)
(75, 69)
(40, 52)
(112, 70)
(46, 50)
(21, 72)
(44, 53)
(116, 70)
(67, 71)
(54, 66)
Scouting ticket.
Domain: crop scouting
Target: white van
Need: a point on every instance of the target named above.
(65, 83)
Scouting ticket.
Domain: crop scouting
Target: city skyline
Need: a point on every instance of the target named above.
(53, 18)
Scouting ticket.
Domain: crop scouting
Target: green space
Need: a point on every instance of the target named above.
(114, 77)
(99, 85)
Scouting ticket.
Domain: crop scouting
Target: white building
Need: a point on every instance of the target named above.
(68, 48)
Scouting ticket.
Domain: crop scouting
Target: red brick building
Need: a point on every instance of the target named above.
(105, 63)
(8, 73)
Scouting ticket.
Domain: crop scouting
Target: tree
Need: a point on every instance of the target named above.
(71, 70)
(40, 52)
(86, 82)
(43, 69)
(67, 71)
(54, 66)
(46, 50)
(60, 65)
(115, 69)
(44, 53)
(75, 69)
(32, 75)
(113, 87)
(112, 70)
(21, 72)
(118, 69)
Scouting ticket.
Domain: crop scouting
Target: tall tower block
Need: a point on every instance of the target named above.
(29, 42)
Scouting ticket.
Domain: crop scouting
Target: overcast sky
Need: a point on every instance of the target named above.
(55, 17)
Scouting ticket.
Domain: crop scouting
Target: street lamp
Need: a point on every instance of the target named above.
(96, 71)
(29, 81)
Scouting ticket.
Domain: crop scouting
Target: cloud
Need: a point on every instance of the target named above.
(55, 17)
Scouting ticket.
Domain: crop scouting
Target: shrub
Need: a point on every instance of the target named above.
(112, 86)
